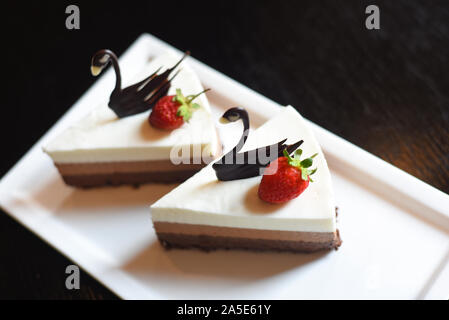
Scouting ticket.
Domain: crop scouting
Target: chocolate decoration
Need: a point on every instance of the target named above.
(136, 98)
(253, 162)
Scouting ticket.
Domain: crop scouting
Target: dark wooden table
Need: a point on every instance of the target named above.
(385, 90)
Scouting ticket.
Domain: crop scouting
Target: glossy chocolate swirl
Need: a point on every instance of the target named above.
(139, 97)
(235, 165)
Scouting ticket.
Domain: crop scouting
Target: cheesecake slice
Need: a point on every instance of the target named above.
(103, 149)
(207, 213)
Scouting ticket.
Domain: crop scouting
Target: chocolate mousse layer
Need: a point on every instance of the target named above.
(186, 236)
(96, 174)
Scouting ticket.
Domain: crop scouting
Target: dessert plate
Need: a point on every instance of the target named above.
(395, 228)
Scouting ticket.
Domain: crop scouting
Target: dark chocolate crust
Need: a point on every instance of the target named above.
(134, 178)
(211, 243)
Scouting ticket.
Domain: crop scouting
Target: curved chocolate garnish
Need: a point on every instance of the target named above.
(235, 165)
(139, 97)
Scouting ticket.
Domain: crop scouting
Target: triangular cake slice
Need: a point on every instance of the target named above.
(207, 213)
(102, 149)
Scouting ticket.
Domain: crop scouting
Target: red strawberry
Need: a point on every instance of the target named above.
(170, 112)
(286, 178)
(164, 114)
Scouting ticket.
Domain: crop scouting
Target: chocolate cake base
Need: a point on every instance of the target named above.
(135, 178)
(209, 238)
(89, 175)
(210, 243)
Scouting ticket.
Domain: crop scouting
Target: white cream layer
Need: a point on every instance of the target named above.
(102, 137)
(204, 200)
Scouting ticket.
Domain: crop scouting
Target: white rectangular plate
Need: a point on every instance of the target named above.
(395, 228)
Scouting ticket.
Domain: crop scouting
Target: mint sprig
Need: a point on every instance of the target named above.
(186, 107)
(303, 165)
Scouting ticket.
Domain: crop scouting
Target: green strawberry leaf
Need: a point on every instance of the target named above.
(304, 175)
(303, 165)
(287, 155)
(306, 163)
(186, 107)
(179, 97)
